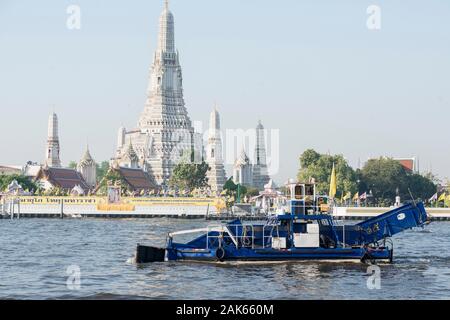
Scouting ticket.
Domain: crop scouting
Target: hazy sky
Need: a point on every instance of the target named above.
(311, 69)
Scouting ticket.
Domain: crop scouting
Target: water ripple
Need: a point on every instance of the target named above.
(37, 252)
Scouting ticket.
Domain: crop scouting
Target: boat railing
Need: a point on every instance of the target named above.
(245, 240)
(270, 237)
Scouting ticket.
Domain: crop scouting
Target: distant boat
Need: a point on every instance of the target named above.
(303, 232)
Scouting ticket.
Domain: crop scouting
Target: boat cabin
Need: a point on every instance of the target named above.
(304, 199)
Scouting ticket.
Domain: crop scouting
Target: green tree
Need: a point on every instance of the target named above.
(230, 186)
(318, 167)
(309, 158)
(189, 176)
(252, 192)
(231, 192)
(422, 187)
(72, 165)
(102, 170)
(26, 183)
(385, 176)
(112, 177)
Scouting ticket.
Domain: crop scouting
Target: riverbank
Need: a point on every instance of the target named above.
(148, 208)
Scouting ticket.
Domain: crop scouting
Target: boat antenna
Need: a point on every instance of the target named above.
(412, 197)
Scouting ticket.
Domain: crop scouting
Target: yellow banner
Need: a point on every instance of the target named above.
(132, 201)
(57, 200)
(170, 201)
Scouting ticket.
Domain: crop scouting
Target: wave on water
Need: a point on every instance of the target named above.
(421, 231)
(102, 296)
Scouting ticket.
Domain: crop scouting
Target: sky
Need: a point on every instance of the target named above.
(311, 69)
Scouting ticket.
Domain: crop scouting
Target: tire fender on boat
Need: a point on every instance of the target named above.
(367, 257)
(220, 254)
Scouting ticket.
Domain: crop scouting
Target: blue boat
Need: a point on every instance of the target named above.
(303, 232)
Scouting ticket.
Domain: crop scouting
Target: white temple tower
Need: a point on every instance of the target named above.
(243, 170)
(214, 154)
(88, 169)
(164, 130)
(52, 151)
(260, 171)
(130, 159)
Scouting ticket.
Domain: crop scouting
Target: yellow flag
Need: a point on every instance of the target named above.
(333, 186)
(347, 196)
(442, 197)
(356, 196)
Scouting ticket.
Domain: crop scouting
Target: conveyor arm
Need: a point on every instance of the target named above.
(390, 223)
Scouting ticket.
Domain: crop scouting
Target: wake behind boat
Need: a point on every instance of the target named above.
(303, 232)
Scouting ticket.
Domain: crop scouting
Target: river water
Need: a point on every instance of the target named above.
(38, 256)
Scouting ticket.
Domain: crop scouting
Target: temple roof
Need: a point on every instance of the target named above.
(131, 154)
(137, 179)
(65, 179)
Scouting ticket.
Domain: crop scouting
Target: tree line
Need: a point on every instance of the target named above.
(383, 178)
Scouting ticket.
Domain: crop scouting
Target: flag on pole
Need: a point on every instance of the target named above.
(347, 196)
(356, 197)
(434, 197)
(333, 185)
(442, 197)
(363, 196)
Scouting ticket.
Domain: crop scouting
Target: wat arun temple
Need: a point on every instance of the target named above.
(165, 133)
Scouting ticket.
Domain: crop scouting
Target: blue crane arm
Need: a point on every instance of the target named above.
(390, 223)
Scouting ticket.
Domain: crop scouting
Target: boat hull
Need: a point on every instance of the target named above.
(272, 255)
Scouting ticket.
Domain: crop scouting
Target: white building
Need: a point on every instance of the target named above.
(164, 129)
(52, 151)
(253, 174)
(88, 169)
(243, 170)
(214, 154)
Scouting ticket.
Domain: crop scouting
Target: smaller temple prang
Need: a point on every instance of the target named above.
(88, 168)
(260, 171)
(253, 174)
(214, 157)
(243, 170)
(53, 147)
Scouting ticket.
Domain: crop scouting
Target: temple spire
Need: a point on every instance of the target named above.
(166, 31)
(52, 150)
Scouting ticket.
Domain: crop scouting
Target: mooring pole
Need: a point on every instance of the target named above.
(62, 209)
(18, 209)
(12, 210)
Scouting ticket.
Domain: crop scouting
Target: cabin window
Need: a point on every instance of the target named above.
(309, 190)
(299, 192)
